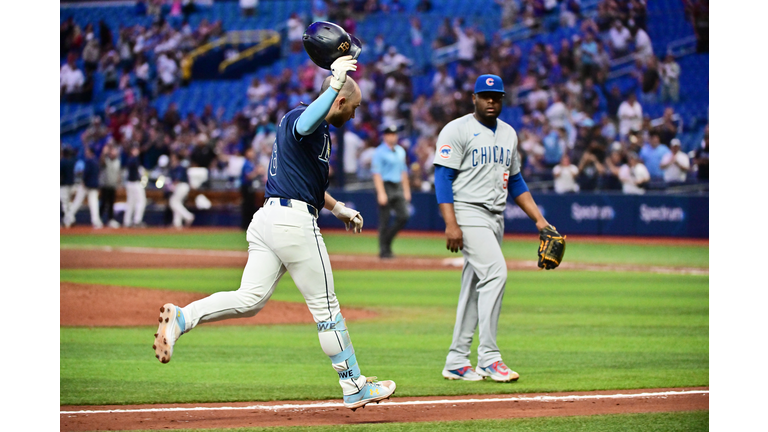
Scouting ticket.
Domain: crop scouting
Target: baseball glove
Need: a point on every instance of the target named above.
(551, 248)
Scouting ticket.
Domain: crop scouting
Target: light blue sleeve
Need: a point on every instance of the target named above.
(315, 113)
(376, 162)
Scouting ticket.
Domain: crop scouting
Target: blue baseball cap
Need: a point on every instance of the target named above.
(489, 83)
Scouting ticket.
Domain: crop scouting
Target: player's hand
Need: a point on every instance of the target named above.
(339, 69)
(382, 199)
(454, 238)
(349, 216)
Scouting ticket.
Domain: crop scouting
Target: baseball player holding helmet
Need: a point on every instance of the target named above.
(284, 236)
(476, 165)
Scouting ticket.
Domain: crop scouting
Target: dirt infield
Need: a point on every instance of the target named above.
(139, 307)
(409, 409)
(142, 305)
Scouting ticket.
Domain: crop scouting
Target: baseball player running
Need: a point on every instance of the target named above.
(475, 163)
(283, 236)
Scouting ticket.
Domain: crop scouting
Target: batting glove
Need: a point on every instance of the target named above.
(348, 216)
(339, 69)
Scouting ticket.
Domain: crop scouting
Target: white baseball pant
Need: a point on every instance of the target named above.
(483, 281)
(136, 201)
(176, 202)
(65, 194)
(93, 206)
(284, 239)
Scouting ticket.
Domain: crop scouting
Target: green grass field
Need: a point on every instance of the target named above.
(366, 243)
(562, 331)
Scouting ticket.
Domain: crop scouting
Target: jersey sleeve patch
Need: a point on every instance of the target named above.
(445, 151)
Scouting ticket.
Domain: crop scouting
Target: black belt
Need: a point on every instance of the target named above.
(285, 202)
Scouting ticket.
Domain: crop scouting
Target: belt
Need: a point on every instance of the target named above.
(285, 202)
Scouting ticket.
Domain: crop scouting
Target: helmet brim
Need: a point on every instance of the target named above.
(356, 47)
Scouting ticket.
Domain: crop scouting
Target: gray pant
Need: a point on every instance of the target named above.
(483, 280)
(388, 229)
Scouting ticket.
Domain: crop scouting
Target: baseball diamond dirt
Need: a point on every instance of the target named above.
(287, 413)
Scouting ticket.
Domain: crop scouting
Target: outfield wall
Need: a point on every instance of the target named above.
(586, 214)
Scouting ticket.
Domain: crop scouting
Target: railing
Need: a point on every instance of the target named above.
(678, 48)
(76, 120)
(515, 33)
(230, 38)
(445, 54)
(682, 47)
(266, 39)
(675, 118)
(122, 99)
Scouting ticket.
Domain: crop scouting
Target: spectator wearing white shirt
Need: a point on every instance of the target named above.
(670, 79)
(620, 37)
(295, 32)
(633, 175)
(537, 99)
(557, 113)
(675, 164)
(248, 7)
(353, 145)
(71, 80)
(167, 71)
(630, 115)
(643, 46)
(258, 91)
(142, 74)
(466, 44)
(392, 60)
(442, 81)
(565, 174)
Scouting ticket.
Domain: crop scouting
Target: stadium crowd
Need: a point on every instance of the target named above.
(576, 131)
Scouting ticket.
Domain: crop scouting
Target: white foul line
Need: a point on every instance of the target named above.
(394, 403)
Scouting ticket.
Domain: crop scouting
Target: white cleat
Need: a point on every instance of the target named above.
(168, 332)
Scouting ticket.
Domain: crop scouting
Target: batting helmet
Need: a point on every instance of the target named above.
(325, 42)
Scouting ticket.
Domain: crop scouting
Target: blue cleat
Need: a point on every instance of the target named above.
(466, 373)
(373, 391)
(171, 327)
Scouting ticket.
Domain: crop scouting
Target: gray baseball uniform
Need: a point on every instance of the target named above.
(484, 160)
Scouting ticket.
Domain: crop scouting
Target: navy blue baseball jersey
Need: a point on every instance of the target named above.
(299, 165)
(248, 168)
(67, 171)
(91, 173)
(179, 174)
(132, 164)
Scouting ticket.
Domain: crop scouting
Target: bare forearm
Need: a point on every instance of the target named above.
(330, 202)
(378, 183)
(449, 216)
(406, 186)
(528, 205)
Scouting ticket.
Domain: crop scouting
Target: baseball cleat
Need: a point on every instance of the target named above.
(171, 327)
(466, 373)
(498, 372)
(373, 391)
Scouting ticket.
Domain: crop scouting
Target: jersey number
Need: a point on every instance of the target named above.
(325, 155)
(273, 161)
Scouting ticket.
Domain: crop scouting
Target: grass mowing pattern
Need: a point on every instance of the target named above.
(562, 331)
(686, 421)
(366, 244)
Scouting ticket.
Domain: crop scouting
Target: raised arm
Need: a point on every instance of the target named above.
(316, 112)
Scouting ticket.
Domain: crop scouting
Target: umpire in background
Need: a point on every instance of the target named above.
(393, 192)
